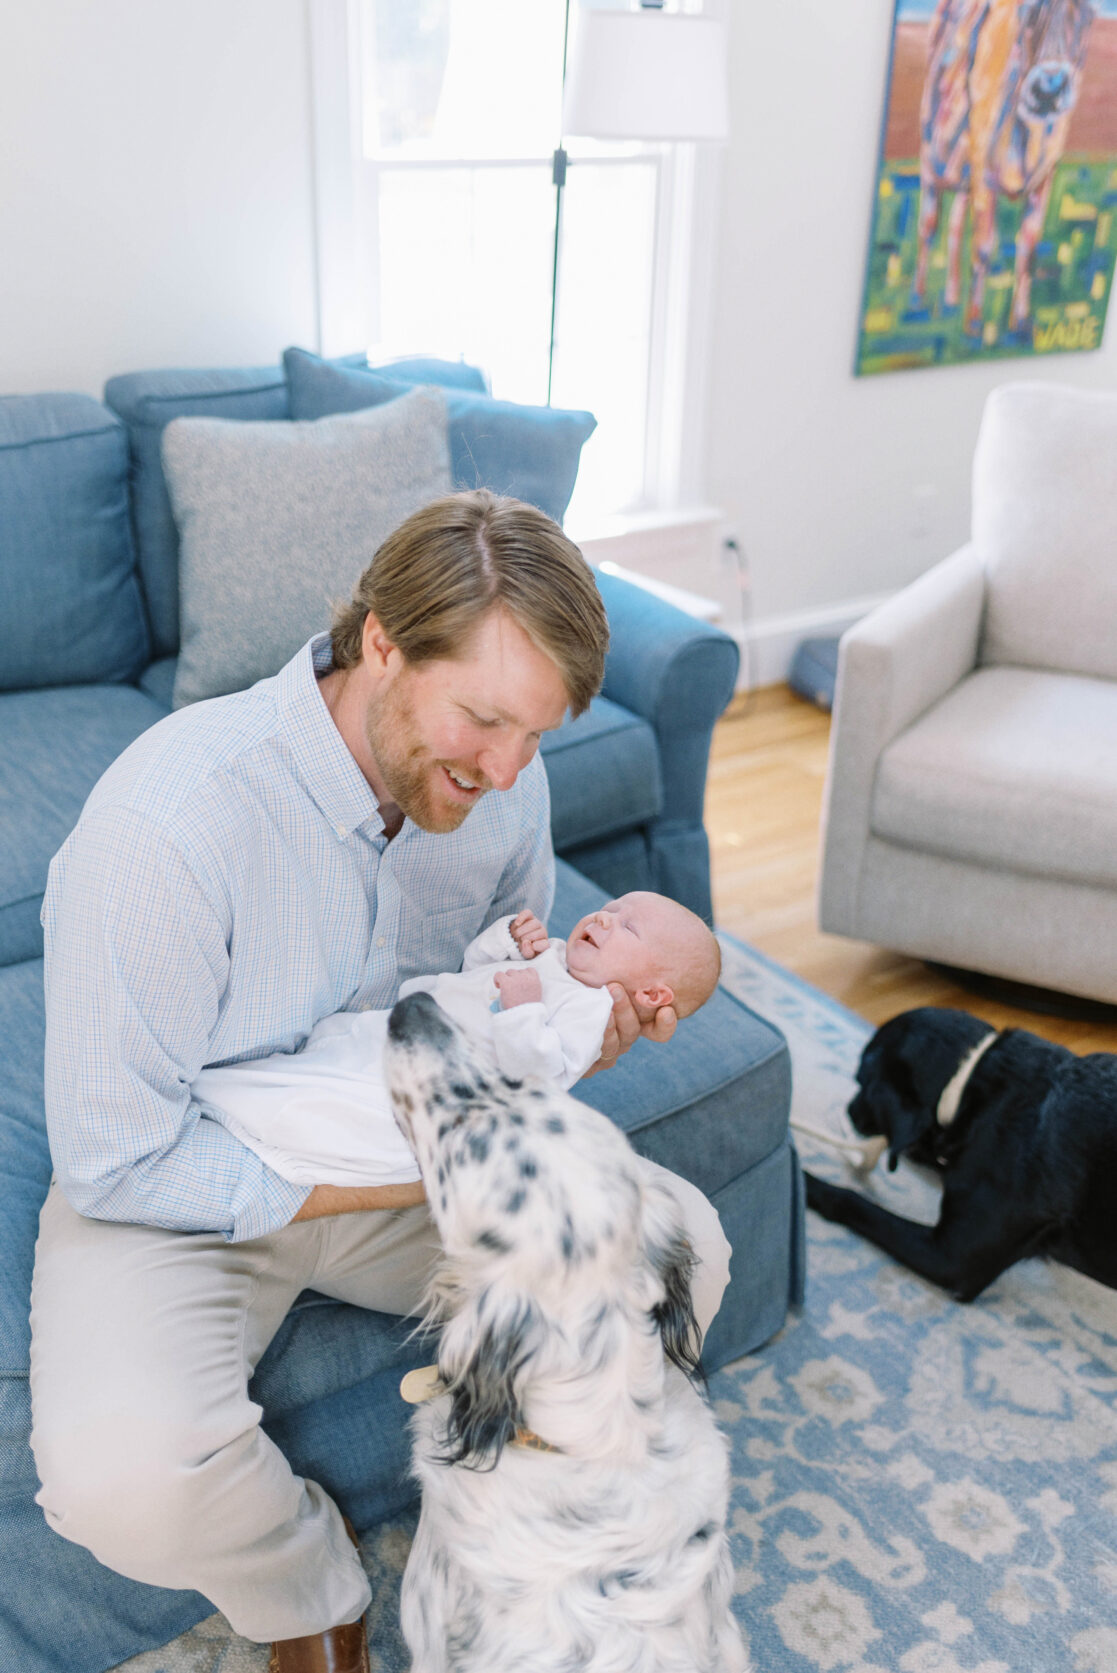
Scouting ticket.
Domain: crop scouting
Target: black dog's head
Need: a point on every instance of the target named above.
(903, 1072)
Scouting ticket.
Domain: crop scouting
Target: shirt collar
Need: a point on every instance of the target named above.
(319, 754)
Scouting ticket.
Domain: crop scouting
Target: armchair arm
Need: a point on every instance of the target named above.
(676, 673)
(892, 666)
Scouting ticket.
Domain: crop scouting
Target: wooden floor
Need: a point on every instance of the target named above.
(763, 804)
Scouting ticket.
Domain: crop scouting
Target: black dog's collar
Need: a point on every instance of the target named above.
(951, 1098)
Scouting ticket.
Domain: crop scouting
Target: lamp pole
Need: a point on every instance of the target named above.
(558, 180)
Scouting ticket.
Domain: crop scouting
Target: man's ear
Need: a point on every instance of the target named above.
(376, 647)
(656, 995)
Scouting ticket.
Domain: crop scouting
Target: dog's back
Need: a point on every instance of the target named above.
(548, 1562)
(1083, 1114)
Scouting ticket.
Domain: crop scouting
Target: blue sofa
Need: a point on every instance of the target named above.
(88, 634)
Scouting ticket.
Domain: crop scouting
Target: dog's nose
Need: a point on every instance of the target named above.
(416, 1018)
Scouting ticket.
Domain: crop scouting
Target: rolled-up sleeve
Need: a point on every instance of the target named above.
(138, 961)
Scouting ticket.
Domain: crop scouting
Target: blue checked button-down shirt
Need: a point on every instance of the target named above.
(227, 886)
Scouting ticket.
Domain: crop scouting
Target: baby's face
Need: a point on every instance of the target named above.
(627, 941)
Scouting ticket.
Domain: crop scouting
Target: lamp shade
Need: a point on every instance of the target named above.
(647, 75)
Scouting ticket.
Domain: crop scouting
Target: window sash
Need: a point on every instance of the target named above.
(683, 269)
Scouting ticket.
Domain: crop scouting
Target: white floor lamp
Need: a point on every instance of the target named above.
(641, 73)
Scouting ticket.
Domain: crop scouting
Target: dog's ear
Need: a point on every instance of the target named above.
(672, 1261)
(901, 1121)
(480, 1361)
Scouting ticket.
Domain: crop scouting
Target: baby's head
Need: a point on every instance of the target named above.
(660, 952)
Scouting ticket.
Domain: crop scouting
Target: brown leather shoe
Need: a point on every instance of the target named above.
(340, 1650)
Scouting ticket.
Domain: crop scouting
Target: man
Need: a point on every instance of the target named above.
(248, 866)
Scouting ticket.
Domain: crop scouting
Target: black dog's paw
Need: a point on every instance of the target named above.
(824, 1198)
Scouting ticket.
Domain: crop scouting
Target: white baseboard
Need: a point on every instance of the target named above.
(768, 645)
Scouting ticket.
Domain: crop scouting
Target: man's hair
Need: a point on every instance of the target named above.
(441, 571)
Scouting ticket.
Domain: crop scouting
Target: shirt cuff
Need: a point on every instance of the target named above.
(272, 1205)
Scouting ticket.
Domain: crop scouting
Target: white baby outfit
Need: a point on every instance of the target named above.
(321, 1115)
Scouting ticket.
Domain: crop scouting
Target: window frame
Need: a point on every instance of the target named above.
(687, 210)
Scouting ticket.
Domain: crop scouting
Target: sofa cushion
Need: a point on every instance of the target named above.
(1014, 769)
(147, 402)
(54, 746)
(24, 1172)
(603, 770)
(422, 368)
(277, 521)
(72, 607)
(1045, 526)
(158, 680)
(529, 452)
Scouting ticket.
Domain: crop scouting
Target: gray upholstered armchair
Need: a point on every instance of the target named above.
(971, 805)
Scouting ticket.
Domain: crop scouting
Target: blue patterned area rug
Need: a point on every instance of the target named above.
(919, 1487)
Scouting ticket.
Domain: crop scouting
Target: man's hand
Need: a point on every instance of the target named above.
(518, 987)
(358, 1199)
(529, 934)
(625, 1028)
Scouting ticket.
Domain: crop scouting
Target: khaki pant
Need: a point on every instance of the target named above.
(148, 1448)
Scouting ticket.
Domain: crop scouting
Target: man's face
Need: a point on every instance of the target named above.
(442, 733)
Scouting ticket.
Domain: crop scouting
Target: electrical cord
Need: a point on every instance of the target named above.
(744, 615)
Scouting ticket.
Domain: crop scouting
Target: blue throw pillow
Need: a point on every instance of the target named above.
(72, 612)
(421, 368)
(531, 453)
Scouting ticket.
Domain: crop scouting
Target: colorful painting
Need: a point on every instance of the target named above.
(995, 219)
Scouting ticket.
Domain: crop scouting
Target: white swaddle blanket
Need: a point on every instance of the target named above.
(321, 1115)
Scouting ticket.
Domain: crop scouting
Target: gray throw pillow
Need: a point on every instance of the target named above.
(276, 522)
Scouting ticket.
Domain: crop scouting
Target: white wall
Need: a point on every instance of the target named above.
(839, 488)
(155, 187)
(156, 208)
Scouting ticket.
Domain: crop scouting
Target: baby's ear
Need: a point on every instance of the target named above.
(655, 996)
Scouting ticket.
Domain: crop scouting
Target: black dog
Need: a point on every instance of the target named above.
(1023, 1132)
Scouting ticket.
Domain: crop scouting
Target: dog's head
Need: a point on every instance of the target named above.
(557, 1247)
(903, 1073)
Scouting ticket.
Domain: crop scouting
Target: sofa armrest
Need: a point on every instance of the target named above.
(677, 673)
(892, 666)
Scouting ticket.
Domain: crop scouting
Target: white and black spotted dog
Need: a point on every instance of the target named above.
(575, 1485)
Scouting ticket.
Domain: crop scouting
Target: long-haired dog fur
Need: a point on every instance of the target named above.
(564, 1304)
(1023, 1132)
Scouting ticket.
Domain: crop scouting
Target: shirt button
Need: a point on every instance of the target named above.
(341, 831)
(380, 941)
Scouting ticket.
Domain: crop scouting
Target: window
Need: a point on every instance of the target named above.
(457, 112)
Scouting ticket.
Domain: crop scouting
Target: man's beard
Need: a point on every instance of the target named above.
(409, 772)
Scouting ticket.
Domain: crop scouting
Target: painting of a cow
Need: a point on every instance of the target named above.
(994, 224)
(1002, 81)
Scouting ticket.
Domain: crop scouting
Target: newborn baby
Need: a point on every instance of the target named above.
(321, 1116)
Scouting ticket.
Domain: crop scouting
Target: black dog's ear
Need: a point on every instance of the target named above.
(484, 1407)
(902, 1123)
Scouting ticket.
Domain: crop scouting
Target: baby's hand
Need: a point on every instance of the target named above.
(518, 987)
(529, 934)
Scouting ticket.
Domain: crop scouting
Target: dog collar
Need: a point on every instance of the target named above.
(951, 1099)
(424, 1383)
